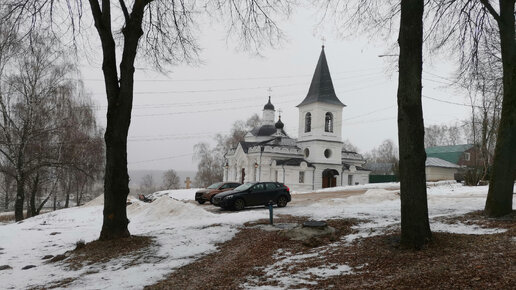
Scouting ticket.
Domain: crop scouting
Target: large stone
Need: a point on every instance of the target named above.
(315, 224)
(306, 233)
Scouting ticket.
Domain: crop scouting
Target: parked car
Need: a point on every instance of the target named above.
(207, 194)
(252, 194)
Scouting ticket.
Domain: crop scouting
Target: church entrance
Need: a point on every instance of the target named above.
(329, 178)
(243, 175)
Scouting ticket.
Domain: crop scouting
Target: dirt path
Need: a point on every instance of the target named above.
(308, 198)
(297, 199)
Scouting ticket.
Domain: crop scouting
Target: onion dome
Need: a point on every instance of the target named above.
(279, 125)
(269, 105)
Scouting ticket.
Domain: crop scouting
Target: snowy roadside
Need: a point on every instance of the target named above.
(185, 231)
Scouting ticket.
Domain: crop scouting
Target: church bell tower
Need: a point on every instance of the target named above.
(320, 118)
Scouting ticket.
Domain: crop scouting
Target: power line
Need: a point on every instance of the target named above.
(160, 159)
(201, 102)
(369, 113)
(236, 89)
(241, 107)
(455, 103)
(235, 78)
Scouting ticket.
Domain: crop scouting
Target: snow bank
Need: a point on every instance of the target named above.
(386, 185)
(179, 194)
(99, 200)
(165, 207)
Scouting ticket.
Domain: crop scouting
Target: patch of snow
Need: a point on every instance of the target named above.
(460, 228)
(285, 273)
(330, 270)
(179, 194)
(386, 185)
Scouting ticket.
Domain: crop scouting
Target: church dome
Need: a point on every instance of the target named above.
(269, 105)
(279, 124)
(265, 130)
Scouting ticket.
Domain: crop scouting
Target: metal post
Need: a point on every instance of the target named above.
(271, 216)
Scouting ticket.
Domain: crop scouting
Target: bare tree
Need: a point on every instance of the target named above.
(7, 188)
(500, 195)
(384, 158)
(480, 29)
(236, 134)
(348, 146)
(171, 180)
(415, 226)
(147, 186)
(27, 104)
(385, 152)
(443, 135)
(166, 29)
(210, 166)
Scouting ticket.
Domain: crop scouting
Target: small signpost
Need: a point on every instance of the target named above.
(271, 215)
(188, 182)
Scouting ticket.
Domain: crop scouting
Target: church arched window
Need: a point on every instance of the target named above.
(328, 123)
(308, 122)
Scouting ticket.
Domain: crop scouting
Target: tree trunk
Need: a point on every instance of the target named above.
(6, 205)
(20, 198)
(28, 212)
(80, 192)
(415, 227)
(500, 195)
(67, 200)
(120, 100)
(38, 210)
(33, 193)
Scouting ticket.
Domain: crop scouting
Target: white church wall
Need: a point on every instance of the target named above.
(317, 151)
(357, 177)
(362, 178)
(289, 175)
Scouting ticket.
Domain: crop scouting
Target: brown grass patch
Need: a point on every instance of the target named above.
(240, 257)
(6, 218)
(104, 251)
(449, 261)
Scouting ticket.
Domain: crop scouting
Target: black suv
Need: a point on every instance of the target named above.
(253, 193)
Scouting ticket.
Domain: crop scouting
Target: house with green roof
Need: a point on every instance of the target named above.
(443, 162)
(463, 155)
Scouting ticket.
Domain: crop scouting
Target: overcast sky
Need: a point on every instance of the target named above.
(190, 104)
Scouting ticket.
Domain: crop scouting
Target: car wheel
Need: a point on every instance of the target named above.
(282, 201)
(239, 204)
(201, 201)
(211, 199)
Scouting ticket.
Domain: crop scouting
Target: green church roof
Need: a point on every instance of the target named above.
(451, 153)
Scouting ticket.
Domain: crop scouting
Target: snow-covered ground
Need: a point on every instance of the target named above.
(185, 231)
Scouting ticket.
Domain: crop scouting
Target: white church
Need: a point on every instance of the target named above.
(315, 160)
